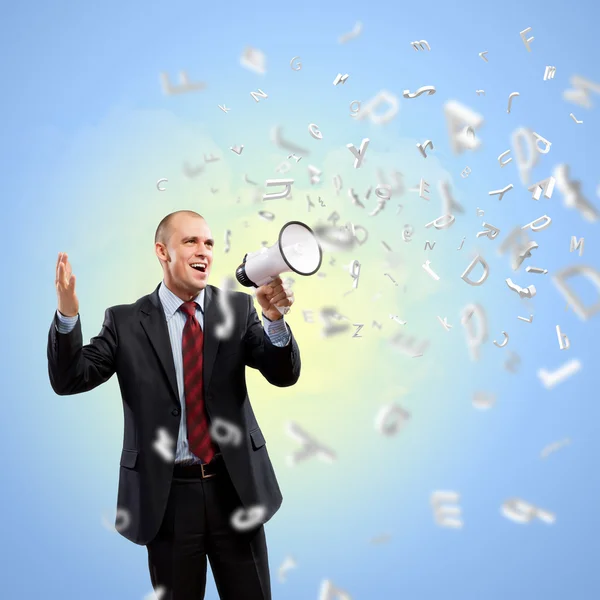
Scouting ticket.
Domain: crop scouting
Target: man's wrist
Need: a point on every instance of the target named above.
(272, 320)
(66, 316)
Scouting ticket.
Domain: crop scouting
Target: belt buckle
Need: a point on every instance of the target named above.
(205, 476)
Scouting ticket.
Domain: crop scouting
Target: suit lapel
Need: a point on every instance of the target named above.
(154, 323)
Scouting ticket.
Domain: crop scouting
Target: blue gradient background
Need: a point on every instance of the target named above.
(87, 133)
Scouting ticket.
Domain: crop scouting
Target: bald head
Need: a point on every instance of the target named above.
(165, 228)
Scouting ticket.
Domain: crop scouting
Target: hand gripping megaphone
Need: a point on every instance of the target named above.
(297, 250)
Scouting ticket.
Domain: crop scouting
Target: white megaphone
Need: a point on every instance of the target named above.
(297, 250)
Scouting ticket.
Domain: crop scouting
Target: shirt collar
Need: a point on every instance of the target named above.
(171, 302)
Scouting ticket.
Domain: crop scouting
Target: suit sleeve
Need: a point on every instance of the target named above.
(280, 366)
(74, 368)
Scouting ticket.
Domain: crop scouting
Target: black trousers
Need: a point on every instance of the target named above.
(197, 525)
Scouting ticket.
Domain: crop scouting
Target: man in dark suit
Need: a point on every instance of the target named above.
(195, 480)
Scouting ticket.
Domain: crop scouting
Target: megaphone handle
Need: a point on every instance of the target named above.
(284, 310)
(269, 279)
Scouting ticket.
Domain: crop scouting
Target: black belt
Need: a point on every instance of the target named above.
(201, 470)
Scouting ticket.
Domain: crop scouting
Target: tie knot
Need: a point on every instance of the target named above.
(189, 308)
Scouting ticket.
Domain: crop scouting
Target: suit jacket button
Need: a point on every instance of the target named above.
(175, 412)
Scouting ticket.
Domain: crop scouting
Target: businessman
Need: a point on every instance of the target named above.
(210, 496)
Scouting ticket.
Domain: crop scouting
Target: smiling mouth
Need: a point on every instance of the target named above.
(199, 271)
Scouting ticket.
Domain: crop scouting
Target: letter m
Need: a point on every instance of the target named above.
(420, 43)
(577, 244)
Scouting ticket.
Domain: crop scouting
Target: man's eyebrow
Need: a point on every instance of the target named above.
(195, 237)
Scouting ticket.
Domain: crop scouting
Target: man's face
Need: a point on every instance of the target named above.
(190, 242)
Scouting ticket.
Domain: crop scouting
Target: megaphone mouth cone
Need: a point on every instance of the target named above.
(308, 252)
(297, 249)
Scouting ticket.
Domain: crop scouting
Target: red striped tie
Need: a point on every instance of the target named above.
(198, 432)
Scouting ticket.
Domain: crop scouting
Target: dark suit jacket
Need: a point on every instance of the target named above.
(134, 344)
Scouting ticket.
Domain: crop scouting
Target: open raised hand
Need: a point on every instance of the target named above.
(68, 304)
